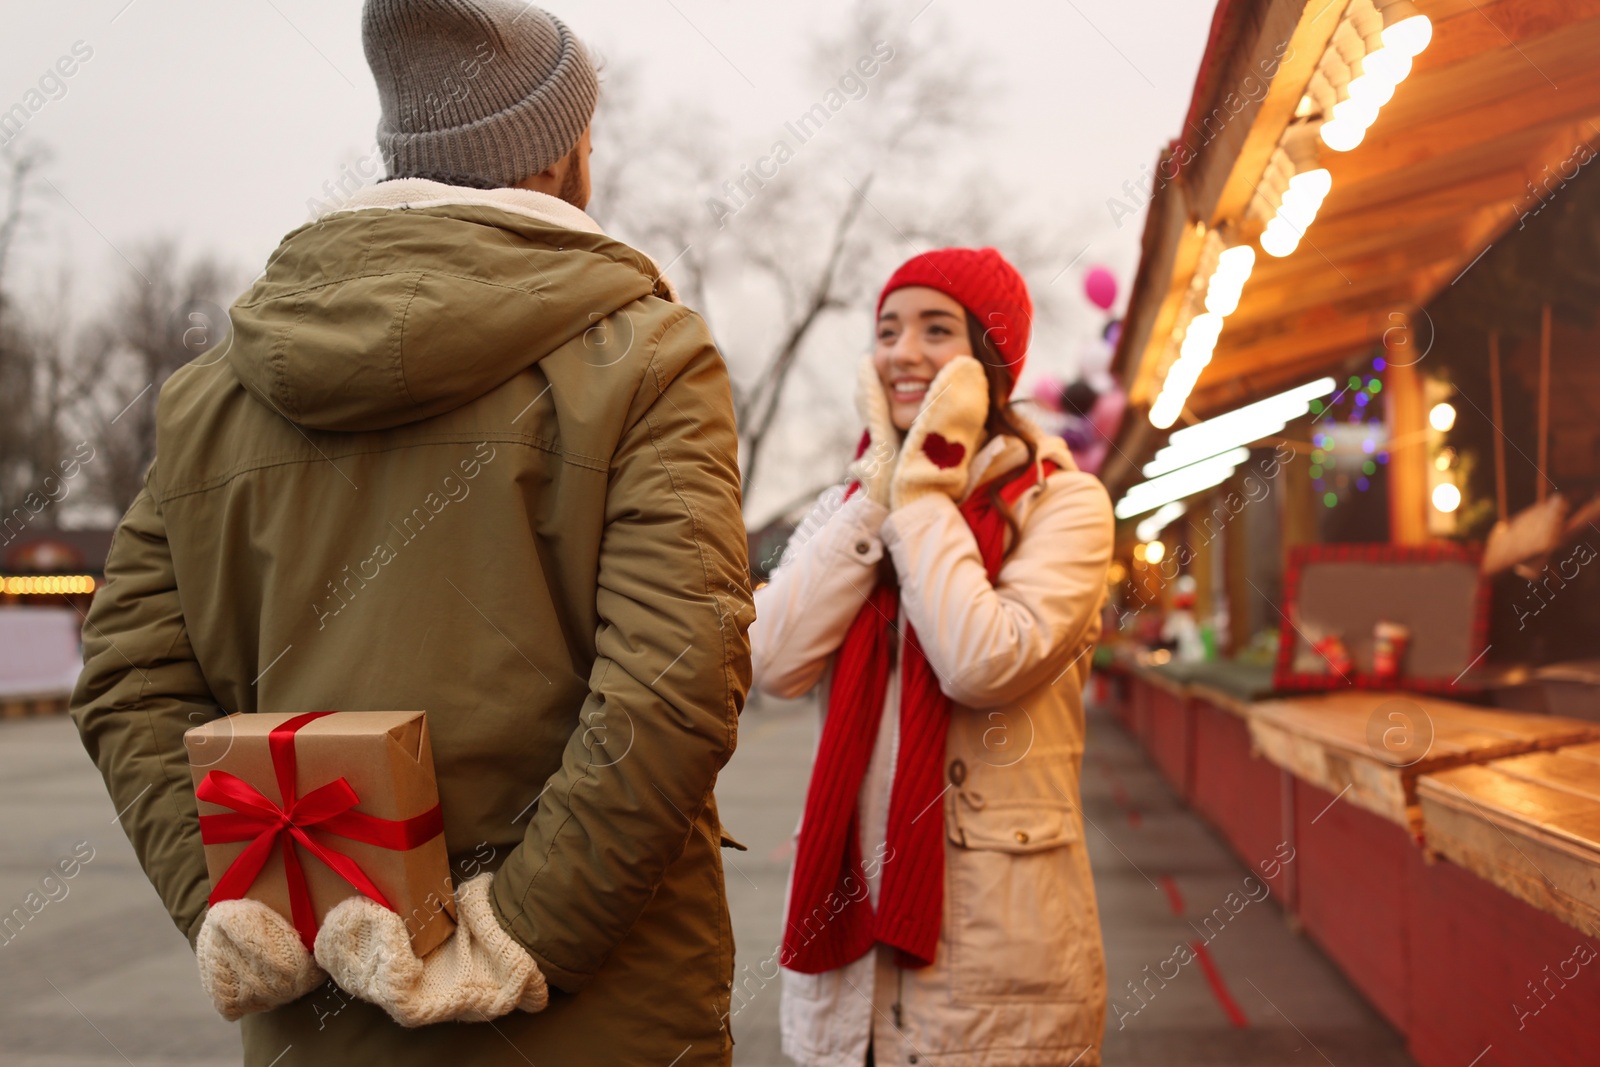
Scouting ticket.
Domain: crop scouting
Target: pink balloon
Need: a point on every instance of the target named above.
(1047, 393)
(1100, 286)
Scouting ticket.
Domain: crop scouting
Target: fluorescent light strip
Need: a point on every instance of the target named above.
(1149, 529)
(1186, 481)
(1238, 427)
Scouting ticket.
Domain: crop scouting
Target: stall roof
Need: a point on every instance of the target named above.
(1504, 100)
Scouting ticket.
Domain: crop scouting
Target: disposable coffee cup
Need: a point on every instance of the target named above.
(1390, 640)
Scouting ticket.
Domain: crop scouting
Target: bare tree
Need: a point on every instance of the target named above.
(18, 166)
(161, 317)
(802, 251)
(42, 374)
(81, 381)
(16, 373)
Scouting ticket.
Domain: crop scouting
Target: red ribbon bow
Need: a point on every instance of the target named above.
(327, 808)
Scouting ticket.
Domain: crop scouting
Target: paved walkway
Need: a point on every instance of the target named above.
(1265, 997)
(99, 977)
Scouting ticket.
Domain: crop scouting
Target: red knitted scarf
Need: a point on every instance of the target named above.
(831, 920)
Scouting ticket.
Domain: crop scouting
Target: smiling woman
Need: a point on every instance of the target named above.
(963, 573)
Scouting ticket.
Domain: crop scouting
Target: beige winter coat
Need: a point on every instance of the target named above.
(1019, 975)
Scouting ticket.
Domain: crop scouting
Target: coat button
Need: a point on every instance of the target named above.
(863, 547)
(1022, 837)
(958, 772)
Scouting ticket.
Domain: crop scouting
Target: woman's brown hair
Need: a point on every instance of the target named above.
(1001, 419)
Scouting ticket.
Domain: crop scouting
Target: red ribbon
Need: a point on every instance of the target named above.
(328, 808)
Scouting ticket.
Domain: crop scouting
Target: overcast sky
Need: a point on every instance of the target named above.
(213, 123)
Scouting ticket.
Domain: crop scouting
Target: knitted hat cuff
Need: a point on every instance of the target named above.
(493, 90)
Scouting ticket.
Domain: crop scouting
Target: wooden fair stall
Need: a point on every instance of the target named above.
(1358, 486)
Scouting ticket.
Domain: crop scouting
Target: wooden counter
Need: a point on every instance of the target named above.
(1445, 951)
(1240, 794)
(1515, 908)
(1530, 824)
(1369, 748)
(1168, 727)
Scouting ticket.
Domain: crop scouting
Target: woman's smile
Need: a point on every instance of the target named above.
(909, 390)
(919, 331)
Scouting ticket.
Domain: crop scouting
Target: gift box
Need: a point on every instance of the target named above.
(303, 811)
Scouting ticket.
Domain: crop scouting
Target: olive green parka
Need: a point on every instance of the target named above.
(463, 453)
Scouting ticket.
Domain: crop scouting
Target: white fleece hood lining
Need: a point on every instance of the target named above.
(405, 193)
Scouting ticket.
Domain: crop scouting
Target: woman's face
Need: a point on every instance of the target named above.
(919, 331)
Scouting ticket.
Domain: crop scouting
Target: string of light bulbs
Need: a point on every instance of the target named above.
(1369, 55)
(1222, 289)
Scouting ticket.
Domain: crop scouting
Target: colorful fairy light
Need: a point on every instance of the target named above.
(1338, 421)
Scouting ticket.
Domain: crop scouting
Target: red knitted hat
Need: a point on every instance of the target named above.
(980, 280)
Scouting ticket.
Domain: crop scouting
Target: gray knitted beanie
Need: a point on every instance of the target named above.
(475, 92)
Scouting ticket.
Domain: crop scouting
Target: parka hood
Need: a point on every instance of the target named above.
(418, 297)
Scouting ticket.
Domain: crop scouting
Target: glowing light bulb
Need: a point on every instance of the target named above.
(1372, 91)
(1298, 210)
(1222, 300)
(1184, 373)
(1387, 65)
(1239, 259)
(1442, 417)
(1227, 281)
(1279, 239)
(1154, 552)
(1342, 136)
(1316, 183)
(1164, 412)
(1204, 329)
(1446, 497)
(1411, 35)
(1358, 110)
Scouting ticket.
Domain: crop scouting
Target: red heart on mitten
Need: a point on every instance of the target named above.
(944, 454)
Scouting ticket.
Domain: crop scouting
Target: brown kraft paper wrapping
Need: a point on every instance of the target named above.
(386, 758)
